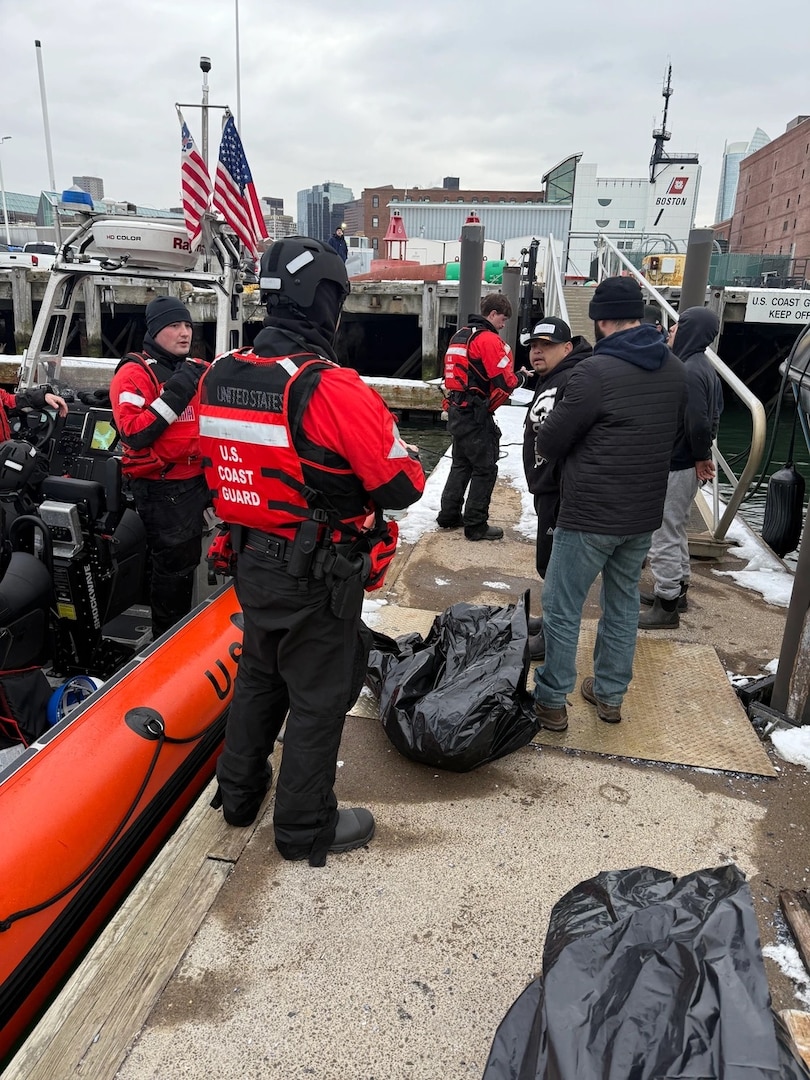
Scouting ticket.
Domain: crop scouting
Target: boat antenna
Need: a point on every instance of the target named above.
(661, 135)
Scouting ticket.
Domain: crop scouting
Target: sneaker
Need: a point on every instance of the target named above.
(355, 828)
(611, 714)
(552, 717)
(484, 532)
(450, 522)
(537, 646)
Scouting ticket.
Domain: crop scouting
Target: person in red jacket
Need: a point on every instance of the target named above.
(479, 376)
(301, 458)
(37, 398)
(153, 395)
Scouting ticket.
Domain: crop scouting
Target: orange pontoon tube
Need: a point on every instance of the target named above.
(87, 806)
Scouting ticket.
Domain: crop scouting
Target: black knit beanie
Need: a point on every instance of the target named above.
(163, 311)
(617, 298)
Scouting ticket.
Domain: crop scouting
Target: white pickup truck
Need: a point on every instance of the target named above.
(35, 255)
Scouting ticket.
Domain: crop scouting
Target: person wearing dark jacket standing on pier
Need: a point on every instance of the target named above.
(553, 354)
(479, 376)
(301, 457)
(337, 242)
(690, 466)
(613, 432)
(153, 395)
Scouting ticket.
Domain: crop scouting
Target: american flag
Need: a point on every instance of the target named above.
(234, 193)
(194, 182)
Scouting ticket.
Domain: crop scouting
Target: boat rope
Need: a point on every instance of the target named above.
(7, 922)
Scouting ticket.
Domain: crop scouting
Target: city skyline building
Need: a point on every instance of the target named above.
(733, 154)
(322, 208)
(93, 185)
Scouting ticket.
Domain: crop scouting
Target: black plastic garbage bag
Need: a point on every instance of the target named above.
(648, 977)
(458, 698)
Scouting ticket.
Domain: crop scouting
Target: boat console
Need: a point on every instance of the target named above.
(83, 443)
(63, 506)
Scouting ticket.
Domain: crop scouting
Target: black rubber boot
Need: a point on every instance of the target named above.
(354, 829)
(648, 598)
(663, 615)
(484, 532)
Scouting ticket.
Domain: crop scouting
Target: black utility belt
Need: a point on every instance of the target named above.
(272, 547)
(466, 400)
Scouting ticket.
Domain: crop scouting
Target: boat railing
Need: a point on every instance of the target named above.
(553, 282)
(217, 271)
(611, 261)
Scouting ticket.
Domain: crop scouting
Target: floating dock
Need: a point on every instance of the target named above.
(400, 960)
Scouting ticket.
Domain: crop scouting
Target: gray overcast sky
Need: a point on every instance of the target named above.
(370, 92)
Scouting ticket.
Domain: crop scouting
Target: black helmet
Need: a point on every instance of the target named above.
(18, 464)
(294, 268)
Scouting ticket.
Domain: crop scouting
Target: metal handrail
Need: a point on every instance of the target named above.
(610, 259)
(553, 282)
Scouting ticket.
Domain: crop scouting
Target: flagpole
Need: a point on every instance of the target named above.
(238, 72)
(205, 67)
(51, 176)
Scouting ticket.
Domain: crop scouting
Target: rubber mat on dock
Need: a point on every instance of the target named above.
(680, 708)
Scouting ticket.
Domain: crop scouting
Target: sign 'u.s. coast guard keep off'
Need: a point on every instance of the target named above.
(778, 306)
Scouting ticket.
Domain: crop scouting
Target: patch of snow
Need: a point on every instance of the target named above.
(496, 585)
(764, 572)
(442, 581)
(371, 610)
(793, 745)
(790, 963)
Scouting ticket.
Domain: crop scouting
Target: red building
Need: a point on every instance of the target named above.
(369, 215)
(772, 209)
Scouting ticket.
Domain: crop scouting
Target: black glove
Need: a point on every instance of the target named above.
(33, 398)
(180, 388)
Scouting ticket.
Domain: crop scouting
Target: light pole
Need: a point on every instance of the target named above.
(205, 67)
(4, 138)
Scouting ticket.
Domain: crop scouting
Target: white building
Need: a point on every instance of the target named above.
(638, 215)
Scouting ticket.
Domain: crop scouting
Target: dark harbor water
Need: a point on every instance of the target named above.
(734, 441)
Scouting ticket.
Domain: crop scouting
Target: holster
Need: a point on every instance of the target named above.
(346, 579)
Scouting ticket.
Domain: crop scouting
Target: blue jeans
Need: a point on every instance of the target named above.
(576, 559)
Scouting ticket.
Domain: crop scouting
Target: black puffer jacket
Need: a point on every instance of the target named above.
(543, 477)
(697, 328)
(615, 429)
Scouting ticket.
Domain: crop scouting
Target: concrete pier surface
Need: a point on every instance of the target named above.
(398, 961)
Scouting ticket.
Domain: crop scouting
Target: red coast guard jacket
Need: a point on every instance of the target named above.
(154, 449)
(479, 363)
(281, 435)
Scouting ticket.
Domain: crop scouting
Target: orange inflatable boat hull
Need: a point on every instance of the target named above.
(86, 807)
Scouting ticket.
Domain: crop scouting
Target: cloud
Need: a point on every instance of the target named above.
(389, 93)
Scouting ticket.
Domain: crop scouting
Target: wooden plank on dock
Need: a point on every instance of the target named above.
(798, 1024)
(93, 1021)
(795, 904)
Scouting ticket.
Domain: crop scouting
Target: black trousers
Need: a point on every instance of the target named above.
(172, 513)
(297, 656)
(476, 438)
